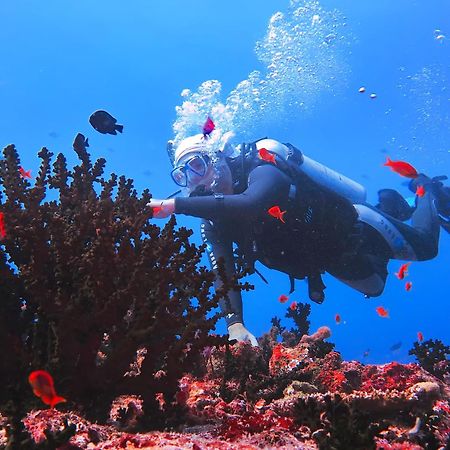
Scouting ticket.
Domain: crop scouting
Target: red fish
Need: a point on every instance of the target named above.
(382, 312)
(157, 209)
(408, 285)
(292, 306)
(43, 387)
(208, 127)
(276, 212)
(2, 226)
(267, 156)
(337, 318)
(419, 336)
(260, 403)
(24, 174)
(403, 271)
(420, 191)
(402, 168)
(283, 298)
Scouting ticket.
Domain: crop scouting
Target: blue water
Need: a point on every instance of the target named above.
(63, 60)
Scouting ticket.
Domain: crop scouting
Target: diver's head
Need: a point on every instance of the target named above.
(193, 164)
(199, 163)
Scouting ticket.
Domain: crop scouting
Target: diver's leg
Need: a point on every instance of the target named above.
(362, 272)
(218, 246)
(425, 220)
(384, 238)
(415, 242)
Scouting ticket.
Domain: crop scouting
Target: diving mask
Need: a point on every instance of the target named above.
(197, 165)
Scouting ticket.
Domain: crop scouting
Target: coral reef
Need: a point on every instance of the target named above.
(89, 283)
(342, 405)
(120, 312)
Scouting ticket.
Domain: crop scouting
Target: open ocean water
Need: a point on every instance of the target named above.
(290, 70)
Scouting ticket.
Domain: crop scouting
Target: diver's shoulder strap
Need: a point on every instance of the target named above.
(244, 164)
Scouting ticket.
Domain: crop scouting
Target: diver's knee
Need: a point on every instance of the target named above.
(431, 253)
(428, 248)
(371, 286)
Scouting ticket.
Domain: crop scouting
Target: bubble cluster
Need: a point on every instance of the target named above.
(302, 55)
(428, 114)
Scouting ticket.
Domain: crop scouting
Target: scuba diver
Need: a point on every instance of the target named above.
(324, 222)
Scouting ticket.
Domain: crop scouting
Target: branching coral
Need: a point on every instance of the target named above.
(432, 356)
(88, 280)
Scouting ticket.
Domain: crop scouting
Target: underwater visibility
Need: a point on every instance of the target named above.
(225, 226)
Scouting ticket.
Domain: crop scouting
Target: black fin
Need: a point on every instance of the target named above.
(86, 143)
(119, 128)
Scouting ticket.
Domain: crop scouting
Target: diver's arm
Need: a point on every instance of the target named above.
(219, 246)
(267, 187)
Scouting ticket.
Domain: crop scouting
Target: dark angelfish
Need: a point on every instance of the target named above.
(105, 123)
(80, 142)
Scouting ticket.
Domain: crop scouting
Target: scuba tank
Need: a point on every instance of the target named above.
(302, 168)
(322, 175)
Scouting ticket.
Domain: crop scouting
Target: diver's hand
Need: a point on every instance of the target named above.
(238, 332)
(162, 208)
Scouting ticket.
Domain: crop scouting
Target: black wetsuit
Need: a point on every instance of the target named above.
(323, 232)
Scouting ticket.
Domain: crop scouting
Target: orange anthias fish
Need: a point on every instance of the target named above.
(382, 312)
(276, 212)
(267, 156)
(420, 191)
(24, 174)
(283, 298)
(403, 271)
(43, 387)
(337, 318)
(2, 226)
(408, 285)
(292, 306)
(208, 127)
(419, 336)
(402, 168)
